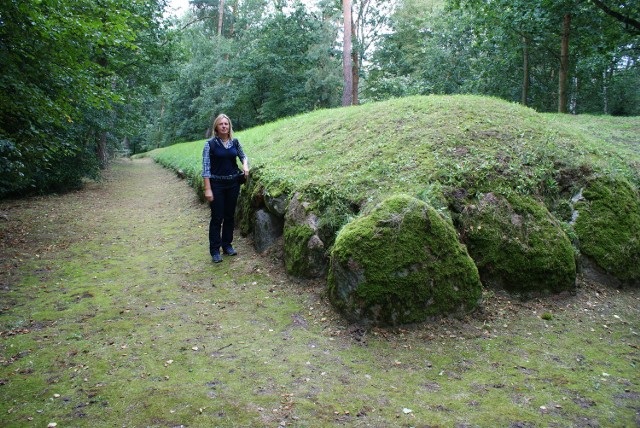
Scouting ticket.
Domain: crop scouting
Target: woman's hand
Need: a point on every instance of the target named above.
(246, 173)
(208, 195)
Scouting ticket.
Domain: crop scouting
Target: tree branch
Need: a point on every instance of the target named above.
(620, 17)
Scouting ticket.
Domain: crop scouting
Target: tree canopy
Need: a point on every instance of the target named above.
(71, 75)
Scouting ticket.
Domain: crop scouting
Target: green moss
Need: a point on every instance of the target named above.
(250, 200)
(518, 245)
(400, 264)
(608, 226)
(563, 210)
(296, 249)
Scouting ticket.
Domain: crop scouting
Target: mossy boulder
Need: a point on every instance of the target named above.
(518, 245)
(401, 263)
(250, 200)
(267, 230)
(304, 251)
(608, 227)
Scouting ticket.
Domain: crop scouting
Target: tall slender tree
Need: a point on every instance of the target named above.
(220, 17)
(347, 65)
(564, 64)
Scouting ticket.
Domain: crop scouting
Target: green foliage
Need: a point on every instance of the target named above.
(477, 47)
(273, 65)
(70, 72)
(112, 77)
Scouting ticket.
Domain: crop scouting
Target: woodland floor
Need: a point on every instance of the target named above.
(112, 314)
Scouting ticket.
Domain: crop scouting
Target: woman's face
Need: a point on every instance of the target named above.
(223, 127)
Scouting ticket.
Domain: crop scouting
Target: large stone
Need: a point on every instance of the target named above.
(276, 205)
(267, 229)
(251, 199)
(304, 251)
(518, 245)
(401, 264)
(607, 223)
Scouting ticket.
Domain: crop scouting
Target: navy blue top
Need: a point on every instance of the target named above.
(219, 161)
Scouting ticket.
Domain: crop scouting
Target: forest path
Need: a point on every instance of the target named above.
(116, 281)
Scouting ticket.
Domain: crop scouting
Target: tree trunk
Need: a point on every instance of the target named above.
(606, 79)
(564, 65)
(101, 149)
(347, 72)
(355, 71)
(525, 71)
(220, 16)
(234, 8)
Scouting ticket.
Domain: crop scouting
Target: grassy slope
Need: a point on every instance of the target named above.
(362, 154)
(622, 131)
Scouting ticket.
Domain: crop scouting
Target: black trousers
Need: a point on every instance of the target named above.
(223, 208)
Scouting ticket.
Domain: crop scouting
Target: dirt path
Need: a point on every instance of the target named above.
(112, 314)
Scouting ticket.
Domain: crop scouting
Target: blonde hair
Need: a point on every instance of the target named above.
(217, 121)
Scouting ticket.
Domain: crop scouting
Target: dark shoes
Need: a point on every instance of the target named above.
(229, 251)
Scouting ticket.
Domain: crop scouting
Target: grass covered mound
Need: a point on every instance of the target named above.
(401, 263)
(445, 150)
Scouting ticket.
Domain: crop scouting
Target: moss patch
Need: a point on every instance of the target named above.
(518, 245)
(296, 249)
(251, 199)
(608, 226)
(401, 264)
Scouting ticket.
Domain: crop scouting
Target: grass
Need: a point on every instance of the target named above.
(613, 130)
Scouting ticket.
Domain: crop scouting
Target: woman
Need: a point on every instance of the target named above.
(222, 184)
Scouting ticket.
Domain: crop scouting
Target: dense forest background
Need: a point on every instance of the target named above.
(84, 80)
